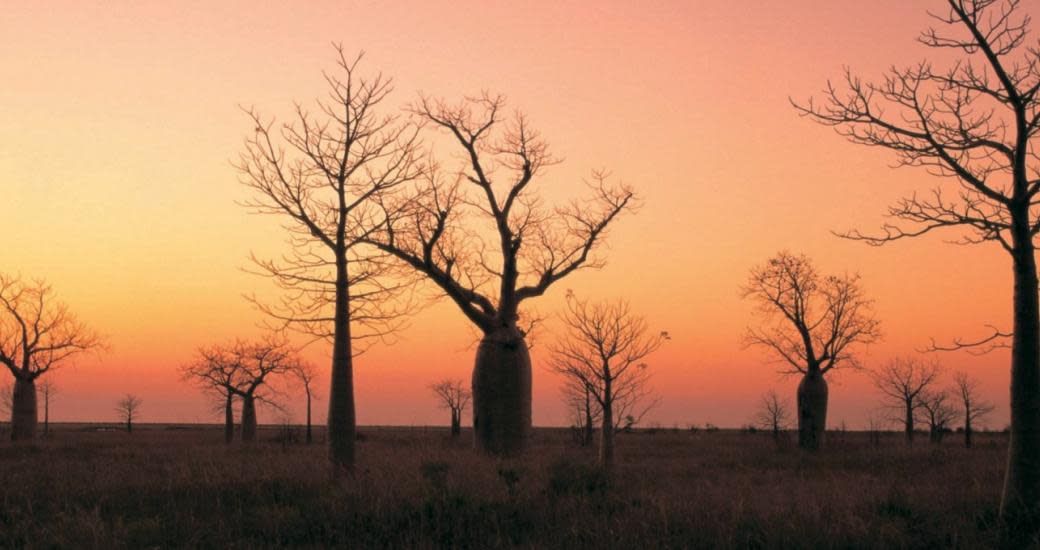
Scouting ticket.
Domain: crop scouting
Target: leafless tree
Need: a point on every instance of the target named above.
(902, 382)
(37, 335)
(577, 395)
(937, 411)
(485, 237)
(257, 362)
(48, 390)
(974, 408)
(973, 125)
(129, 409)
(812, 324)
(305, 374)
(604, 346)
(454, 397)
(322, 174)
(215, 370)
(773, 414)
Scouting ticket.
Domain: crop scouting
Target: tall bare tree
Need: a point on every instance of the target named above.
(48, 390)
(903, 381)
(604, 346)
(773, 414)
(37, 335)
(813, 324)
(215, 370)
(321, 173)
(129, 409)
(305, 373)
(454, 397)
(484, 236)
(937, 411)
(973, 124)
(974, 408)
(577, 395)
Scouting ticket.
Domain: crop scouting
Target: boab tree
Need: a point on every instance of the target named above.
(257, 362)
(937, 411)
(604, 346)
(974, 125)
(484, 236)
(814, 325)
(974, 408)
(321, 173)
(305, 374)
(215, 370)
(903, 382)
(129, 409)
(454, 397)
(37, 335)
(773, 414)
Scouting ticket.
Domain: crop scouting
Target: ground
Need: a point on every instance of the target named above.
(176, 486)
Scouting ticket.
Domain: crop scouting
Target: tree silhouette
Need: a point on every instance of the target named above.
(321, 174)
(484, 236)
(577, 395)
(129, 409)
(903, 382)
(454, 397)
(811, 323)
(305, 374)
(37, 335)
(773, 414)
(973, 125)
(48, 390)
(936, 409)
(974, 408)
(257, 362)
(215, 370)
(603, 347)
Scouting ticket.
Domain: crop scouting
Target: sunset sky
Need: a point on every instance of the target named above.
(121, 120)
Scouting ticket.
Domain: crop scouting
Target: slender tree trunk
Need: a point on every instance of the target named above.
(1022, 481)
(310, 436)
(229, 419)
(908, 423)
(586, 437)
(606, 438)
(129, 424)
(967, 431)
(248, 418)
(812, 410)
(776, 431)
(502, 392)
(23, 410)
(342, 426)
(46, 414)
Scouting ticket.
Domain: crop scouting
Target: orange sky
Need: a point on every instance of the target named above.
(120, 121)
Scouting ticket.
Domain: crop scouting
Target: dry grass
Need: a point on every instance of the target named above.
(171, 488)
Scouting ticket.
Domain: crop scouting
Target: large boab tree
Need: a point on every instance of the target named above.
(37, 335)
(484, 236)
(974, 125)
(813, 325)
(321, 173)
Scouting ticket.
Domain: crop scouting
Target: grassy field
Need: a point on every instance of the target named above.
(165, 487)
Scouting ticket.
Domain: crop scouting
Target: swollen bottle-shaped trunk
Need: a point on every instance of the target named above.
(502, 392)
(456, 422)
(812, 410)
(1021, 497)
(23, 410)
(229, 420)
(248, 418)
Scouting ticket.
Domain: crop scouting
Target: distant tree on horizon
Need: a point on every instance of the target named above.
(454, 397)
(37, 335)
(937, 411)
(483, 234)
(129, 409)
(215, 371)
(577, 395)
(604, 347)
(258, 361)
(973, 407)
(322, 174)
(48, 389)
(904, 381)
(305, 373)
(812, 323)
(773, 414)
(973, 124)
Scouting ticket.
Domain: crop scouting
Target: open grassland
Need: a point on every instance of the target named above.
(169, 488)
